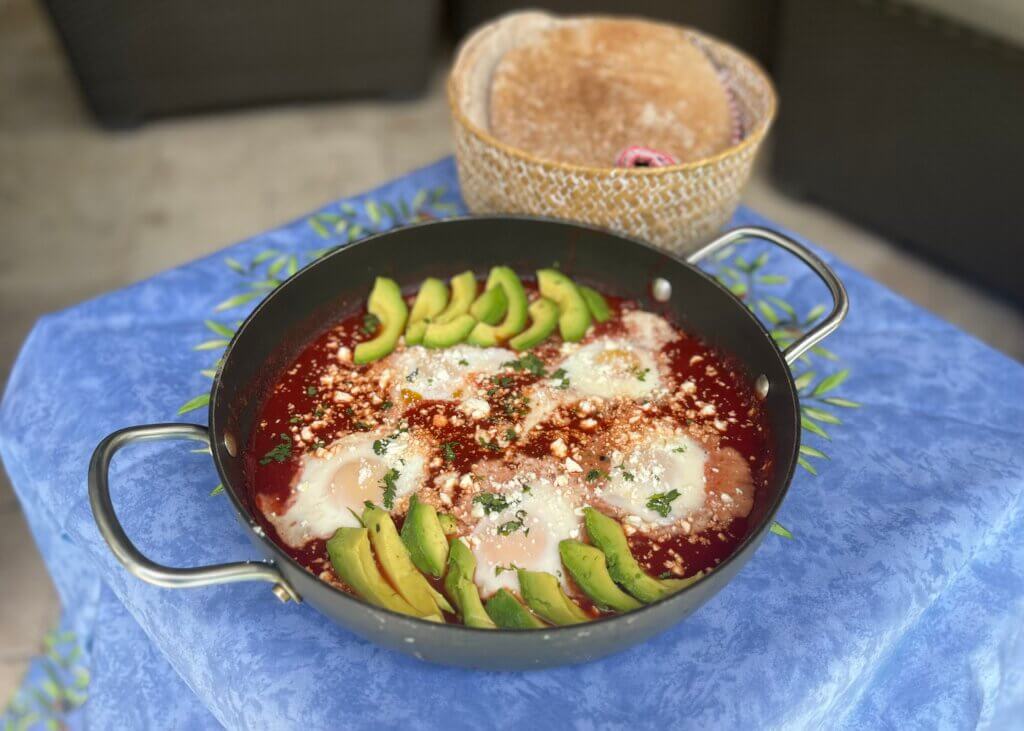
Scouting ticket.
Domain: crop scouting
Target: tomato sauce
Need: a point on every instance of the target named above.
(305, 403)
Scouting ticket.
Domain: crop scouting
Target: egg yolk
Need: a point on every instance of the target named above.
(355, 481)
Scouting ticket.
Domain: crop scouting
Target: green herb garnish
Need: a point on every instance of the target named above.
(510, 434)
(679, 450)
(661, 502)
(499, 570)
(491, 445)
(448, 448)
(311, 391)
(560, 375)
(595, 475)
(528, 362)
(463, 362)
(370, 323)
(390, 488)
(412, 375)
(491, 502)
(281, 452)
(380, 446)
(641, 373)
(626, 475)
(510, 527)
(386, 405)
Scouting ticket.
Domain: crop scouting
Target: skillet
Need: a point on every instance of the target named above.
(328, 289)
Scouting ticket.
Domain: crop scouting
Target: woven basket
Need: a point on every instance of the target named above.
(677, 207)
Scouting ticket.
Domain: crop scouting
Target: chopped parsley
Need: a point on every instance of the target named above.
(319, 411)
(595, 475)
(448, 448)
(491, 502)
(370, 323)
(499, 570)
(389, 486)
(318, 444)
(528, 362)
(295, 419)
(641, 373)
(412, 375)
(362, 426)
(679, 450)
(510, 434)
(281, 452)
(311, 391)
(491, 445)
(503, 381)
(386, 405)
(560, 375)
(511, 526)
(661, 502)
(626, 474)
(463, 362)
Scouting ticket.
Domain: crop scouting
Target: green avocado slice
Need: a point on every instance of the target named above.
(463, 293)
(596, 303)
(587, 566)
(543, 594)
(486, 335)
(393, 558)
(509, 613)
(607, 535)
(574, 317)
(414, 332)
(349, 551)
(430, 300)
(544, 314)
(675, 585)
(425, 539)
(445, 334)
(490, 306)
(448, 524)
(387, 304)
(462, 589)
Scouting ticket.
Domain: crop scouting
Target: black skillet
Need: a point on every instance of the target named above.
(325, 291)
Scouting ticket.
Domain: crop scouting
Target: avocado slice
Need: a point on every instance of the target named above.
(675, 585)
(543, 594)
(490, 306)
(587, 566)
(596, 303)
(349, 551)
(425, 539)
(387, 304)
(414, 332)
(448, 524)
(393, 558)
(463, 293)
(430, 300)
(462, 589)
(544, 313)
(515, 317)
(574, 317)
(509, 613)
(452, 332)
(607, 535)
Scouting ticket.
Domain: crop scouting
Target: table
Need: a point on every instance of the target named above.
(891, 594)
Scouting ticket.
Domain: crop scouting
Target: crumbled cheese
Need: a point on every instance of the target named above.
(344, 354)
(559, 448)
(572, 465)
(342, 397)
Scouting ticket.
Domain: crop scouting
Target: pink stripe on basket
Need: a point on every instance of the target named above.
(635, 156)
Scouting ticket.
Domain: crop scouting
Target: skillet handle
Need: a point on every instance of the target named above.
(841, 302)
(130, 556)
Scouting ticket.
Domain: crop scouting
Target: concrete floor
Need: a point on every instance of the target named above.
(83, 211)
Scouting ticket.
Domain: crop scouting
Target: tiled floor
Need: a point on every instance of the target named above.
(84, 211)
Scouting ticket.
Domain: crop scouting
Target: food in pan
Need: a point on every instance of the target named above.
(508, 453)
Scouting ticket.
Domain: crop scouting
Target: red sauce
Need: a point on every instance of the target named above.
(301, 400)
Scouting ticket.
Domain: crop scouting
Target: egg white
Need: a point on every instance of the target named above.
(658, 463)
(441, 373)
(612, 368)
(328, 489)
(548, 516)
(647, 330)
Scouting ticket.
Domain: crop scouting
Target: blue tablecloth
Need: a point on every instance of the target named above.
(892, 593)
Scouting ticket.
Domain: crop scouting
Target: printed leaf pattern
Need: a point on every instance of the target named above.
(63, 687)
(818, 400)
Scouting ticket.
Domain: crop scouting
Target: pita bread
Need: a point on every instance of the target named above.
(583, 90)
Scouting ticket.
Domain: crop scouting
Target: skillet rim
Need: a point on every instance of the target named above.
(279, 554)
